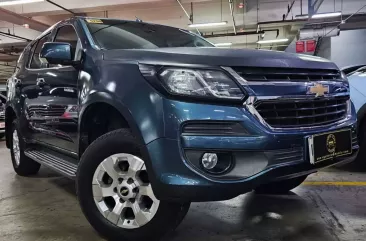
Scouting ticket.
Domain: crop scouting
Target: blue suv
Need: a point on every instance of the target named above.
(148, 118)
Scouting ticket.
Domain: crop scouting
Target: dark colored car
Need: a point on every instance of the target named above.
(2, 110)
(148, 118)
(2, 115)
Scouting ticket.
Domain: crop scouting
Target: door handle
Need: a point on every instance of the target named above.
(41, 82)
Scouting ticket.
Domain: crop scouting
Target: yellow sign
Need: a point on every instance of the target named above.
(94, 21)
(318, 90)
(331, 143)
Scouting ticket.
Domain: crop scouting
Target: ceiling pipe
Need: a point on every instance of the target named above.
(10, 66)
(289, 9)
(6, 53)
(190, 17)
(232, 34)
(232, 14)
(59, 6)
(328, 31)
(18, 19)
(254, 32)
(9, 58)
(301, 7)
(13, 36)
(20, 45)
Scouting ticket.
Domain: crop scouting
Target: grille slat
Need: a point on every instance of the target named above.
(306, 113)
(308, 108)
(307, 116)
(287, 74)
(51, 110)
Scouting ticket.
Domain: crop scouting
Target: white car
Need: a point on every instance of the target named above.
(357, 81)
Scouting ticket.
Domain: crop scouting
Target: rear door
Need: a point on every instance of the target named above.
(56, 108)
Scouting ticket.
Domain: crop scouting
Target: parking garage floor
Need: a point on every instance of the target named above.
(331, 205)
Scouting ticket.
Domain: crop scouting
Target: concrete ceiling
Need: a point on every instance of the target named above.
(256, 15)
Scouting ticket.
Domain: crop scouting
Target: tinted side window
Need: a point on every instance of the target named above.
(31, 52)
(362, 70)
(67, 34)
(21, 58)
(36, 62)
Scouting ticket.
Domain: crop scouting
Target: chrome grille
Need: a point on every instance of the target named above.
(303, 113)
(286, 74)
(2, 115)
(46, 110)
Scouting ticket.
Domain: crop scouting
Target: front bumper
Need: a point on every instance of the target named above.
(177, 180)
(260, 156)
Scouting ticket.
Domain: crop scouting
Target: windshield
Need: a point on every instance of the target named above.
(119, 34)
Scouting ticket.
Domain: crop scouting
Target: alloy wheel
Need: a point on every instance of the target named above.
(122, 191)
(16, 149)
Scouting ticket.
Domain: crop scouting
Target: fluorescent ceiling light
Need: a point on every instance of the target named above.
(201, 25)
(272, 41)
(301, 16)
(326, 15)
(16, 2)
(319, 15)
(223, 44)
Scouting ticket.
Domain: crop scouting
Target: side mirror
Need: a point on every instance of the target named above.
(57, 53)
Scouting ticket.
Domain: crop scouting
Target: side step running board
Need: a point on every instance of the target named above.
(58, 164)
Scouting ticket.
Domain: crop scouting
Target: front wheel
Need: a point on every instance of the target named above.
(116, 195)
(280, 187)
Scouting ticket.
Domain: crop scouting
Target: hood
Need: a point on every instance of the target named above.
(219, 57)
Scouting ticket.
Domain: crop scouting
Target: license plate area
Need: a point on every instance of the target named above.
(330, 145)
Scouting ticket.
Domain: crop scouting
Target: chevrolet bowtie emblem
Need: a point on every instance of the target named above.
(125, 191)
(318, 90)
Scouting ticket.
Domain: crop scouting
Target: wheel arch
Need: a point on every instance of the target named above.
(100, 100)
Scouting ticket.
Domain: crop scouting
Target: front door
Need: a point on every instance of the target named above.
(55, 110)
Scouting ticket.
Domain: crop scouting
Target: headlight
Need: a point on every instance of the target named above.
(208, 84)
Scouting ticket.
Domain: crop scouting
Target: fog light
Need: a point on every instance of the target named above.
(209, 160)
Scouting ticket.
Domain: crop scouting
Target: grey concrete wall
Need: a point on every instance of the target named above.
(347, 49)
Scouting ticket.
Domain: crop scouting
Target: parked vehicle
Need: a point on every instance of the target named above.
(148, 118)
(357, 81)
(2, 116)
(2, 110)
(352, 68)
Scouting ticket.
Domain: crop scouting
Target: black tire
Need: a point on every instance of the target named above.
(26, 165)
(168, 216)
(360, 161)
(280, 187)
